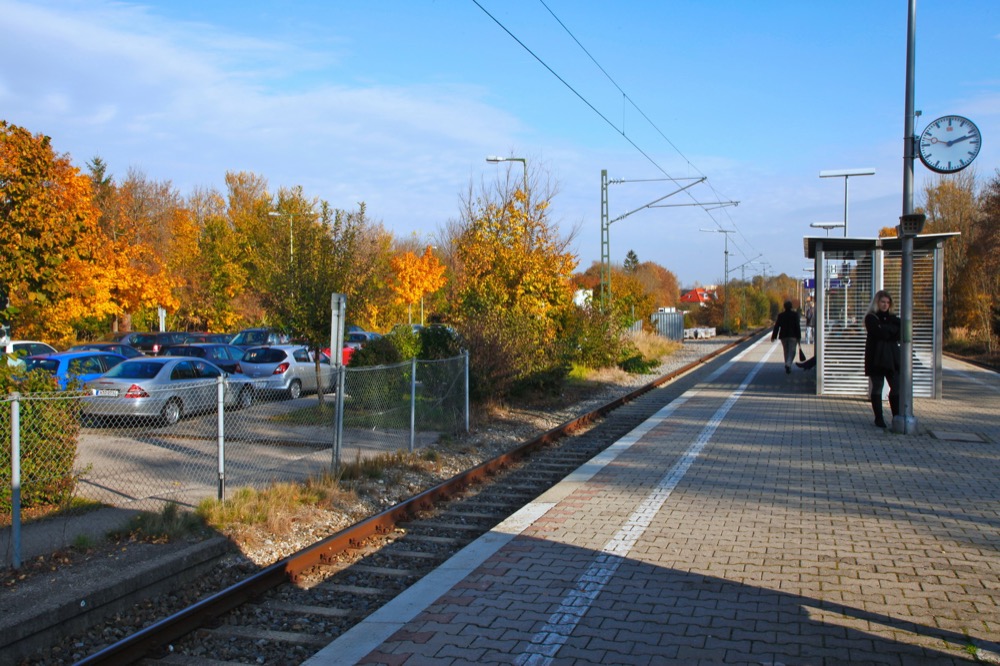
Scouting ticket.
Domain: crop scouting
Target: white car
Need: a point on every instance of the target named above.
(17, 350)
(290, 369)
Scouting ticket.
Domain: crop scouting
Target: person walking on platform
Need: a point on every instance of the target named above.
(882, 353)
(787, 329)
(810, 315)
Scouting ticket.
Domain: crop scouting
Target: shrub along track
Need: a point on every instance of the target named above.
(290, 610)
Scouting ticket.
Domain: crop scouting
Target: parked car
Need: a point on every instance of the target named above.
(124, 337)
(128, 351)
(290, 369)
(17, 350)
(226, 357)
(221, 338)
(68, 366)
(28, 348)
(256, 337)
(164, 387)
(152, 344)
(358, 339)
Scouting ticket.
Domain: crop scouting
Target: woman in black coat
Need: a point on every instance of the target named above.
(882, 353)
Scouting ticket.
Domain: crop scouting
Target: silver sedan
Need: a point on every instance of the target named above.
(167, 387)
(290, 369)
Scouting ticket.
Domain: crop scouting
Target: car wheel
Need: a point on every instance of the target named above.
(245, 398)
(172, 411)
(295, 389)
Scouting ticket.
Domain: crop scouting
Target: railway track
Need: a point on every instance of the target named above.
(290, 610)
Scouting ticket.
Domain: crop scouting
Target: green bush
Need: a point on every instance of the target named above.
(49, 432)
(406, 341)
(381, 351)
(439, 342)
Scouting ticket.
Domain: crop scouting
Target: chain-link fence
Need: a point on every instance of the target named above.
(140, 448)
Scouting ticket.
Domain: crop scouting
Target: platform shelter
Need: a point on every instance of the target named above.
(848, 273)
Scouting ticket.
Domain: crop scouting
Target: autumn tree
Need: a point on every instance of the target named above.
(50, 248)
(950, 205)
(513, 291)
(415, 277)
(215, 281)
(135, 223)
(984, 264)
(660, 283)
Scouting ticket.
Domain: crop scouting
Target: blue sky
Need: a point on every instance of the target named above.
(397, 103)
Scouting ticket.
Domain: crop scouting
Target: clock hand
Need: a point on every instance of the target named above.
(961, 138)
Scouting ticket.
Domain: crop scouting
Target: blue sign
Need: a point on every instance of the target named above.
(809, 283)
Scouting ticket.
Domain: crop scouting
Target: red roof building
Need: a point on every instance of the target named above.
(697, 295)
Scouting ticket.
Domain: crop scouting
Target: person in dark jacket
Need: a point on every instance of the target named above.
(882, 353)
(787, 329)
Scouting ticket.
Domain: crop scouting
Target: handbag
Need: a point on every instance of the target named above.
(802, 354)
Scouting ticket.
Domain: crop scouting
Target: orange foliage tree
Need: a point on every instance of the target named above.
(51, 249)
(415, 277)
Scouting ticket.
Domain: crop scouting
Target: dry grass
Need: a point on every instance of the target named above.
(653, 346)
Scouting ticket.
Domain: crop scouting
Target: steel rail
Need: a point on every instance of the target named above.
(156, 637)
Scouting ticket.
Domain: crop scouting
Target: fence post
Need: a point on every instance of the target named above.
(465, 353)
(413, 403)
(221, 391)
(338, 417)
(15, 477)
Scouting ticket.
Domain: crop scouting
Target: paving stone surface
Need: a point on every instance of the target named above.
(753, 522)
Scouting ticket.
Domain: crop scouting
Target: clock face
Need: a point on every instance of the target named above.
(949, 144)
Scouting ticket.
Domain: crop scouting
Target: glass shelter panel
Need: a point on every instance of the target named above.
(847, 292)
(924, 303)
(849, 279)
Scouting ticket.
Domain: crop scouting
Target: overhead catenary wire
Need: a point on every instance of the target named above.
(621, 130)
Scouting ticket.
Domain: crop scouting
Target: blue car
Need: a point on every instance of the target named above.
(81, 366)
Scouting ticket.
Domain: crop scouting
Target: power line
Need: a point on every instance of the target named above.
(620, 131)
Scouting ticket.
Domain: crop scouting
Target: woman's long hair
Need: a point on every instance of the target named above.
(881, 293)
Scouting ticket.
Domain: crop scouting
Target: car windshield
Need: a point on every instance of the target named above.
(144, 340)
(264, 355)
(49, 365)
(135, 370)
(184, 351)
(250, 338)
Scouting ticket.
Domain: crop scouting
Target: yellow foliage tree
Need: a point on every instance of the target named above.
(415, 277)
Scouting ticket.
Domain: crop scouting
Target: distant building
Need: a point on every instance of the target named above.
(697, 295)
(583, 297)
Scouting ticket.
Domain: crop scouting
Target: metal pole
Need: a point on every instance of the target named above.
(846, 178)
(467, 410)
(413, 404)
(15, 477)
(904, 421)
(221, 447)
(725, 288)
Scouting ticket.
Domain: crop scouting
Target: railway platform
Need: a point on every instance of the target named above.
(749, 521)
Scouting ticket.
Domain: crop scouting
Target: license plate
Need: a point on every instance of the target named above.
(113, 393)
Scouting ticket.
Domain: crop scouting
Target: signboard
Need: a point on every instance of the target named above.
(809, 283)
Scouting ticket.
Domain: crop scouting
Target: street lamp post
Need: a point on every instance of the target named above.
(846, 175)
(725, 283)
(494, 159)
(291, 249)
(827, 226)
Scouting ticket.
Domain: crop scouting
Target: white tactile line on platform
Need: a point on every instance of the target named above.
(547, 642)
(366, 636)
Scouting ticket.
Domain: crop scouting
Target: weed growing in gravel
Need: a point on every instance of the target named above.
(169, 524)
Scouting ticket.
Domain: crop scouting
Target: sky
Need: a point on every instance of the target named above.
(397, 103)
